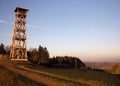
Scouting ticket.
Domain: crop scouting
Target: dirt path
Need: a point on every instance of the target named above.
(57, 77)
(39, 76)
(32, 76)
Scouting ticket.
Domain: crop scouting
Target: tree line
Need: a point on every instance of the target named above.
(38, 56)
(41, 56)
(66, 62)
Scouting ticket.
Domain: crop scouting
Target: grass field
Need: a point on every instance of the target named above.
(27, 74)
(92, 78)
(8, 78)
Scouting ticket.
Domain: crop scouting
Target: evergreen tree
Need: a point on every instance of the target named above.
(2, 50)
(39, 56)
(33, 55)
(43, 55)
(40, 51)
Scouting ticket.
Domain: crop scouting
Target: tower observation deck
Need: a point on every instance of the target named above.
(18, 50)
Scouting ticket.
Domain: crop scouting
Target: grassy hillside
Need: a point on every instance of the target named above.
(115, 69)
(8, 78)
(91, 78)
(27, 74)
(112, 67)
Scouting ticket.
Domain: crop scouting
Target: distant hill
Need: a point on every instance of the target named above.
(112, 67)
(115, 69)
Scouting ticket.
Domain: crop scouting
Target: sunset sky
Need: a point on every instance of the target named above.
(88, 29)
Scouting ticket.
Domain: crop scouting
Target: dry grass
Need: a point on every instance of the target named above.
(42, 79)
(8, 78)
(88, 77)
(26, 74)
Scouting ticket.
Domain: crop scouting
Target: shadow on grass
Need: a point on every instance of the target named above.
(8, 78)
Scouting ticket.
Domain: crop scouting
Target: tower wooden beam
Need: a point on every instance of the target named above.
(18, 49)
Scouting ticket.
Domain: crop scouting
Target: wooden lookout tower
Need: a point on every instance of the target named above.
(18, 49)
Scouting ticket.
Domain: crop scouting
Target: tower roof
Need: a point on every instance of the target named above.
(20, 9)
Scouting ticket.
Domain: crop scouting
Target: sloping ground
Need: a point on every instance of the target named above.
(91, 78)
(41, 78)
(61, 79)
(73, 77)
(101, 65)
(115, 69)
(26, 74)
(9, 78)
(112, 67)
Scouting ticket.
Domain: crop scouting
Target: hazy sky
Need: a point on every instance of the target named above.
(88, 29)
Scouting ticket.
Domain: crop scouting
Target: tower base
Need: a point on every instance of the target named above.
(19, 59)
